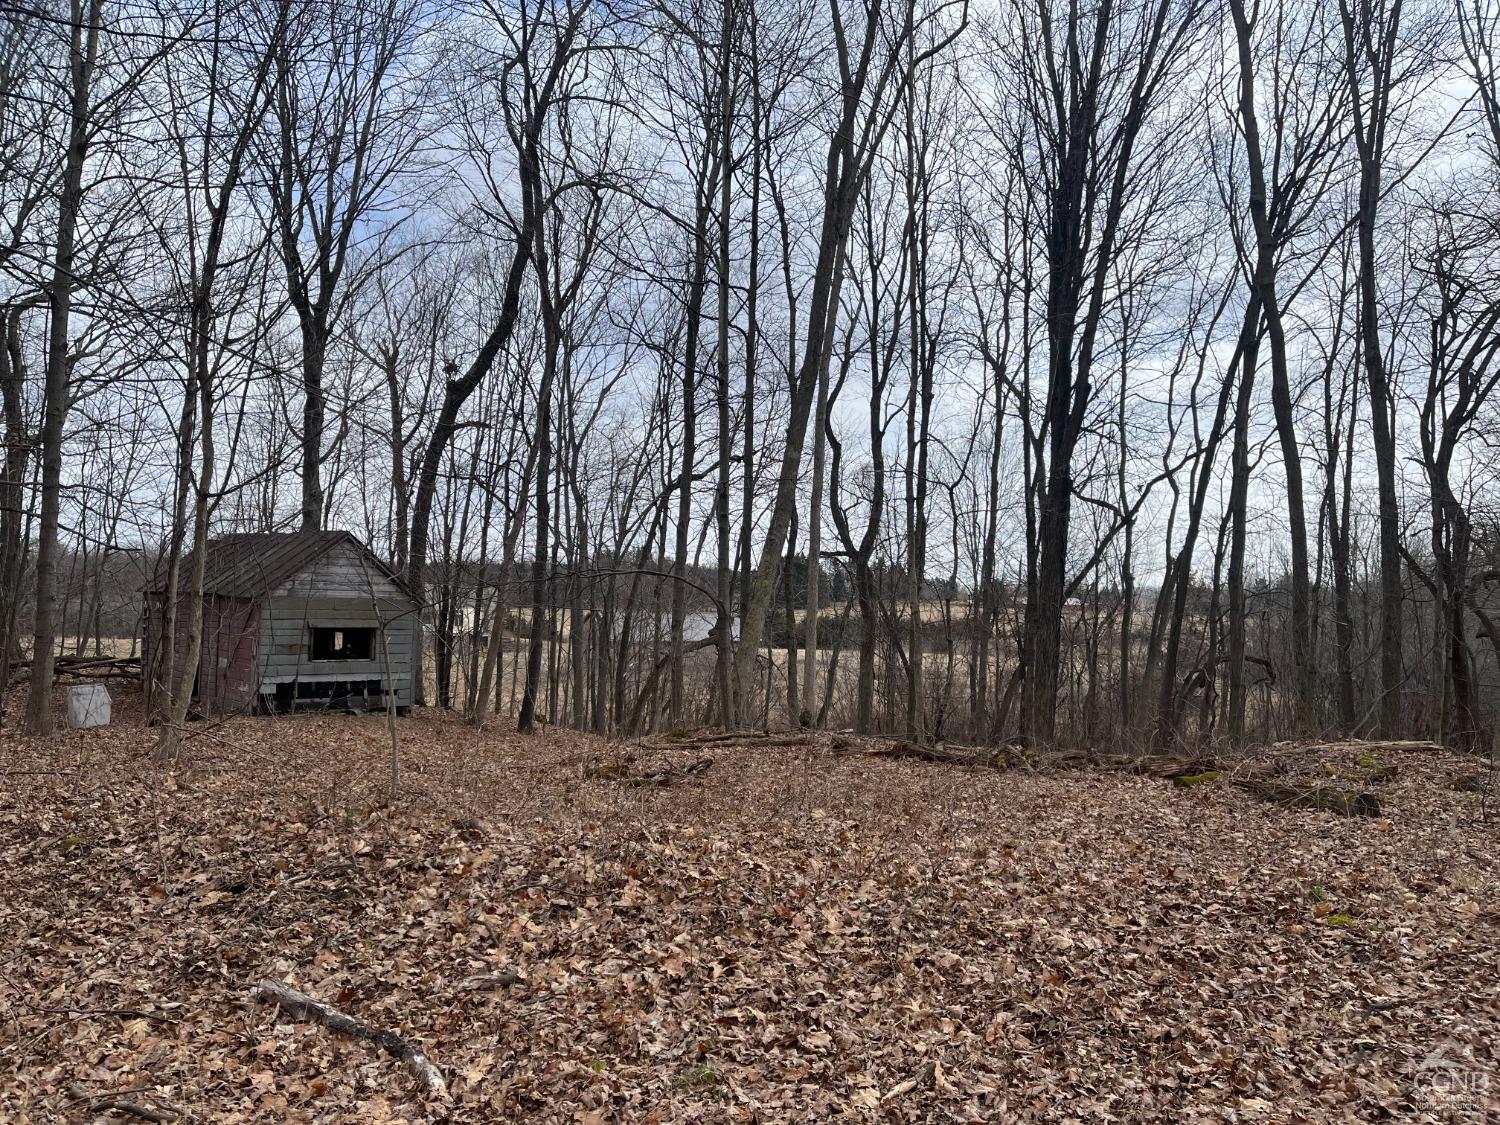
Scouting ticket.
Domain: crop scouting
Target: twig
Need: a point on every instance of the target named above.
(299, 1005)
(491, 981)
(84, 1013)
(111, 1103)
(667, 775)
(924, 1078)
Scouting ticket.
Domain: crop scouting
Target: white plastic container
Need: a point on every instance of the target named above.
(88, 706)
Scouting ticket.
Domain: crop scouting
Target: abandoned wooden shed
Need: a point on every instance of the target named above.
(295, 620)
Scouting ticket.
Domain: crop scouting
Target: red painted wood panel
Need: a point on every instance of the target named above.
(226, 679)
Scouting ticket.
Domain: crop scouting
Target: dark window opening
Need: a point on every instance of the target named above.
(343, 644)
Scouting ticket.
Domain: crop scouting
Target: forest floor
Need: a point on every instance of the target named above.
(786, 934)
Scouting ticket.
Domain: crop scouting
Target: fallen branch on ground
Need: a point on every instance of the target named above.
(924, 1079)
(760, 739)
(944, 753)
(717, 736)
(1323, 797)
(490, 981)
(299, 1005)
(667, 775)
(1397, 746)
(657, 774)
(112, 1103)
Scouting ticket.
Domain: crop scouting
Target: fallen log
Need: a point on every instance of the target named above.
(299, 1005)
(1395, 746)
(1184, 772)
(1325, 797)
(83, 667)
(941, 752)
(747, 735)
(95, 662)
(761, 739)
(777, 742)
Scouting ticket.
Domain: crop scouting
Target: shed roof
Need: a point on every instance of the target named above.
(253, 564)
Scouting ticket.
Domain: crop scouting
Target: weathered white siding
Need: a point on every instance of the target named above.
(344, 589)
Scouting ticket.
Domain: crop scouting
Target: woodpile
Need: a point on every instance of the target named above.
(90, 667)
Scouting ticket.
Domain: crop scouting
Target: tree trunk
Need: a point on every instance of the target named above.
(82, 59)
(526, 723)
(17, 454)
(1238, 495)
(1376, 44)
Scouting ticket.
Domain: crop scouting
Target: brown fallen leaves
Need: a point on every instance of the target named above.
(787, 935)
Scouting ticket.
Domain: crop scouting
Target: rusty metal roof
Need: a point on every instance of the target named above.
(252, 565)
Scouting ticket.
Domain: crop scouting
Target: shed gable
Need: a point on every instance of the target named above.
(344, 572)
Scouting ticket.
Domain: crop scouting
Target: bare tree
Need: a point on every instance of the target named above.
(347, 122)
(1094, 89)
(876, 60)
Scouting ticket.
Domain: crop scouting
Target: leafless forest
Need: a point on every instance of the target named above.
(901, 560)
(1110, 373)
